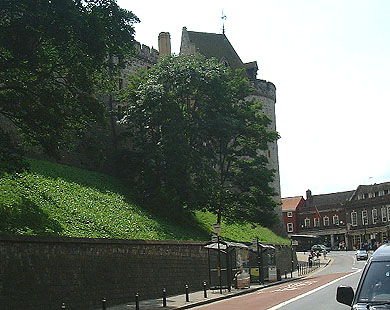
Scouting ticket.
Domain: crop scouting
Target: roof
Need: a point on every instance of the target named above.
(225, 244)
(331, 199)
(291, 203)
(365, 189)
(217, 46)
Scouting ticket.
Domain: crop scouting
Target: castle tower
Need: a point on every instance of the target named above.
(212, 45)
(164, 43)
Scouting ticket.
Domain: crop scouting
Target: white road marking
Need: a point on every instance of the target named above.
(294, 286)
(310, 292)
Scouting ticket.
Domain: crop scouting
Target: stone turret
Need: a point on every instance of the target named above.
(164, 43)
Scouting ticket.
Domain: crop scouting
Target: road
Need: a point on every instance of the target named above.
(317, 291)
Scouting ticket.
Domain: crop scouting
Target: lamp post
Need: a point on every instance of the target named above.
(365, 232)
(217, 231)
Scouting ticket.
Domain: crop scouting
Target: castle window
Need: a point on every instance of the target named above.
(290, 227)
(335, 219)
(224, 62)
(307, 222)
(316, 222)
(289, 214)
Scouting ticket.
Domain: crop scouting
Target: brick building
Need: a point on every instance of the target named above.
(290, 208)
(351, 219)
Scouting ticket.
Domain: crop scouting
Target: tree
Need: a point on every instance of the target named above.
(197, 140)
(52, 54)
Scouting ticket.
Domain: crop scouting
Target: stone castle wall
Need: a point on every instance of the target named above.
(41, 273)
(38, 273)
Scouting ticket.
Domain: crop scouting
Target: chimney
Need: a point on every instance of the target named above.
(309, 197)
(164, 43)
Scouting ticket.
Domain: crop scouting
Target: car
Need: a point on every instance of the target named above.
(319, 247)
(361, 254)
(373, 289)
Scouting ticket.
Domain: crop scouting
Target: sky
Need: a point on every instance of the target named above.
(330, 63)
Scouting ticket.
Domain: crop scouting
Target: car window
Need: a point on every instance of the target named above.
(376, 284)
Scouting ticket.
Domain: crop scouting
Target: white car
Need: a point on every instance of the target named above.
(361, 254)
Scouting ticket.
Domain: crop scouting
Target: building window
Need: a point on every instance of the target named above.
(326, 221)
(370, 195)
(381, 193)
(386, 191)
(384, 214)
(307, 222)
(335, 220)
(374, 215)
(388, 213)
(364, 217)
(354, 218)
(316, 222)
(365, 196)
(290, 227)
(359, 197)
(289, 214)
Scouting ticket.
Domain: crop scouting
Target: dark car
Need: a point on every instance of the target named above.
(361, 254)
(373, 290)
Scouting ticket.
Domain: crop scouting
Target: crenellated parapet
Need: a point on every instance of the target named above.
(265, 89)
(146, 53)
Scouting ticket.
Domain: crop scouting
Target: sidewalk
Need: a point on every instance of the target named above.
(198, 299)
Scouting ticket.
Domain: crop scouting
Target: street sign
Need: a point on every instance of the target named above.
(216, 228)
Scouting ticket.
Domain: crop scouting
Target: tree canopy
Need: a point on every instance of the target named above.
(51, 54)
(197, 141)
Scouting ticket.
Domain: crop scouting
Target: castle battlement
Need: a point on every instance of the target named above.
(265, 88)
(146, 53)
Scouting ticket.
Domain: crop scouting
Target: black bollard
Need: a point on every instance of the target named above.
(164, 297)
(204, 289)
(63, 306)
(285, 274)
(187, 295)
(291, 273)
(136, 301)
(104, 303)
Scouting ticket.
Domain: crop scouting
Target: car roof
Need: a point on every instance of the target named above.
(382, 253)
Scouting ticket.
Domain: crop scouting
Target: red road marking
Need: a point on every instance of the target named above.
(274, 295)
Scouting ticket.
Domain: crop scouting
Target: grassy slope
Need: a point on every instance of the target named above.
(54, 199)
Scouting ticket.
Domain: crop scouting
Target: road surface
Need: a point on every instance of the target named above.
(317, 291)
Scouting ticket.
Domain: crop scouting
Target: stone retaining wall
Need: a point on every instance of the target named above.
(41, 273)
